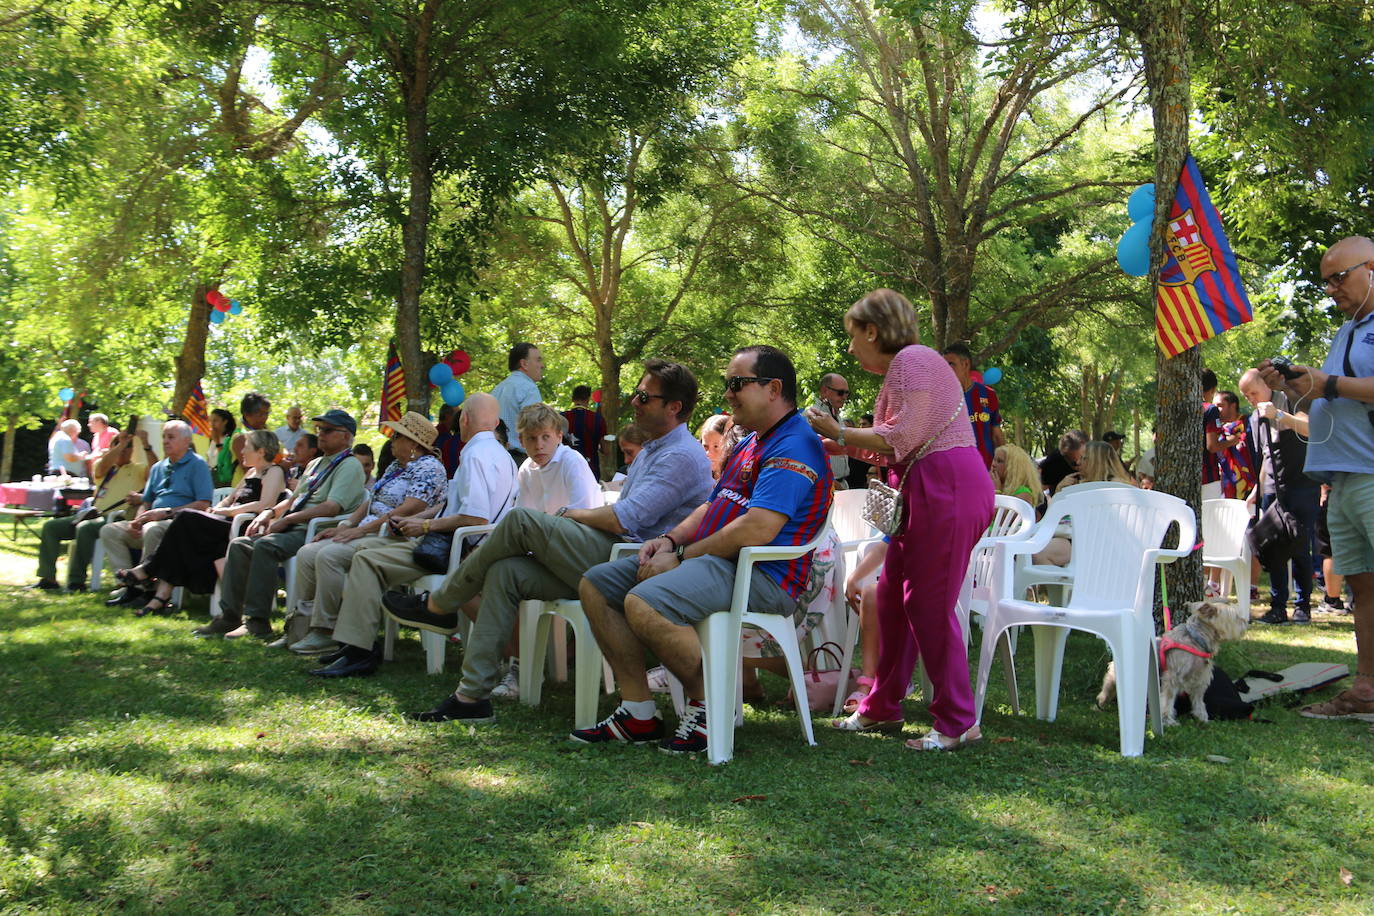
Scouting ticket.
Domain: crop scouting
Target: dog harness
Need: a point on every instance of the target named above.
(1165, 644)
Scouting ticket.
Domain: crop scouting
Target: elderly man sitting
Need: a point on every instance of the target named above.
(118, 482)
(333, 484)
(776, 488)
(482, 490)
(181, 480)
(539, 556)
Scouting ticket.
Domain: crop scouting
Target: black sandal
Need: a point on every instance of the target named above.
(126, 577)
(162, 604)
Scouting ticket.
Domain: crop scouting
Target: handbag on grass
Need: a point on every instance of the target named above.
(821, 685)
(883, 507)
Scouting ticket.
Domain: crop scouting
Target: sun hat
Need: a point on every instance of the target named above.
(416, 428)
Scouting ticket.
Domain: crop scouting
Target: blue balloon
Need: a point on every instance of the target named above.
(217, 317)
(453, 392)
(66, 394)
(1141, 204)
(235, 307)
(992, 376)
(1133, 251)
(440, 374)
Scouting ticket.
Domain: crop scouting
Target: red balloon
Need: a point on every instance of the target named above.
(459, 362)
(596, 396)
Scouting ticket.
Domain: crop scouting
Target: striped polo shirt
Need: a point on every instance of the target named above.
(785, 470)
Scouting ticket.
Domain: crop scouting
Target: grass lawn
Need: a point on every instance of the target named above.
(141, 769)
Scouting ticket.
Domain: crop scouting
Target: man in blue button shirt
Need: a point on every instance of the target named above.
(1339, 399)
(181, 480)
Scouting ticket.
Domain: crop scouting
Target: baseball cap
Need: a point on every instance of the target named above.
(339, 418)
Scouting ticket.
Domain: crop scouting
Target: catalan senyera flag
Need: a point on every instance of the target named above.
(1200, 292)
(197, 411)
(393, 386)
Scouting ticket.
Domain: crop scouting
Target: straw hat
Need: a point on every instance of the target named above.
(415, 428)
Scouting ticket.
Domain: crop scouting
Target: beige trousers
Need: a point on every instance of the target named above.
(321, 572)
(118, 541)
(383, 564)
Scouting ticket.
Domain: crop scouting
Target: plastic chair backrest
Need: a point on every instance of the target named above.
(1012, 517)
(846, 516)
(1113, 527)
(1223, 527)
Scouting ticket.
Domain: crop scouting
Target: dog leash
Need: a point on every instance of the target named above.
(1164, 593)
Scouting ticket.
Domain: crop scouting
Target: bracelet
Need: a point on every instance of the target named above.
(1331, 381)
(670, 539)
(680, 553)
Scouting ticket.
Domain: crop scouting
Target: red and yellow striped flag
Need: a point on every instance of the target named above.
(393, 386)
(197, 411)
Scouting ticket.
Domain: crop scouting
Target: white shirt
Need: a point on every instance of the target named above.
(288, 439)
(565, 481)
(839, 464)
(514, 393)
(484, 485)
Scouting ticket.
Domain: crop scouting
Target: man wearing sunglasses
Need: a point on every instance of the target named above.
(834, 395)
(534, 555)
(1339, 400)
(775, 488)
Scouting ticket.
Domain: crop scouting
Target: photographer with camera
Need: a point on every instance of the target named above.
(1339, 401)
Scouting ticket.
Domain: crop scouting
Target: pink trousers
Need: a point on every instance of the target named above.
(948, 498)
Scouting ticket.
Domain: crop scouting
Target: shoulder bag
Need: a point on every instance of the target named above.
(883, 507)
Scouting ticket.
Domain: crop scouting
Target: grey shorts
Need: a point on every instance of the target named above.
(690, 593)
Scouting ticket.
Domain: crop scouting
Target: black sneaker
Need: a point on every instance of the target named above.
(623, 727)
(413, 610)
(476, 713)
(1276, 616)
(690, 737)
(1334, 605)
(1302, 614)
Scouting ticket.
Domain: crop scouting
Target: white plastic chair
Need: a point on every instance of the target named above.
(1117, 538)
(313, 527)
(721, 658)
(98, 555)
(1055, 580)
(1224, 546)
(856, 534)
(434, 643)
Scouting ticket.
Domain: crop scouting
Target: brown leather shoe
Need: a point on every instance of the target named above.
(256, 627)
(218, 626)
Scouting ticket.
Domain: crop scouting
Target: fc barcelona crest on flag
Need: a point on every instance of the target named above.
(1200, 292)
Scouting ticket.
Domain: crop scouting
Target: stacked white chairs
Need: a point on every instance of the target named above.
(1118, 533)
(434, 643)
(1224, 545)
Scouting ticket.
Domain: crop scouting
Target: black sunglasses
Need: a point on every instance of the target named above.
(842, 392)
(640, 396)
(737, 382)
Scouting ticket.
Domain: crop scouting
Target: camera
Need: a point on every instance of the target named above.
(1284, 367)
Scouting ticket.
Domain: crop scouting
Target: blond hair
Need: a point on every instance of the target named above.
(1021, 474)
(891, 314)
(540, 416)
(1101, 463)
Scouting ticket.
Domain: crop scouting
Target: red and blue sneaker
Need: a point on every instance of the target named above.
(623, 727)
(690, 737)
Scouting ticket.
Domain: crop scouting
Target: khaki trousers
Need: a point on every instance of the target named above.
(118, 541)
(384, 563)
(321, 572)
(530, 555)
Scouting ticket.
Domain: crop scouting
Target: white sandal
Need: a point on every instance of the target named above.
(855, 723)
(934, 741)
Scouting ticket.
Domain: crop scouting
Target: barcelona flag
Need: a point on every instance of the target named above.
(197, 411)
(393, 386)
(1199, 293)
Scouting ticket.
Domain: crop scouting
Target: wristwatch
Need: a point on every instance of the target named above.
(1331, 381)
(839, 440)
(680, 551)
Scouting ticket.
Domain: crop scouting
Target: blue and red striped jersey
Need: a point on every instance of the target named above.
(785, 470)
(983, 412)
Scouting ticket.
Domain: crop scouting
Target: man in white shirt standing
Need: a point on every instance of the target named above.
(292, 431)
(519, 389)
(833, 396)
(481, 492)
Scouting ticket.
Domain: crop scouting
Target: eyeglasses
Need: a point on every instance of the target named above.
(640, 396)
(1335, 280)
(320, 431)
(842, 392)
(737, 382)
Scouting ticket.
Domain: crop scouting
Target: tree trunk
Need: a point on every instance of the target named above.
(190, 363)
(1178, 456)
(7, 457)
(415, 229)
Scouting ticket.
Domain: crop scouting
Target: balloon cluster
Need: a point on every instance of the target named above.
(222, 306)
(596, 396)
(989, 376)
(1133, 251)
(443, 375)
(66, 394)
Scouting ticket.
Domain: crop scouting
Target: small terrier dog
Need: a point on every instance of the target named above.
(1185, 661)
